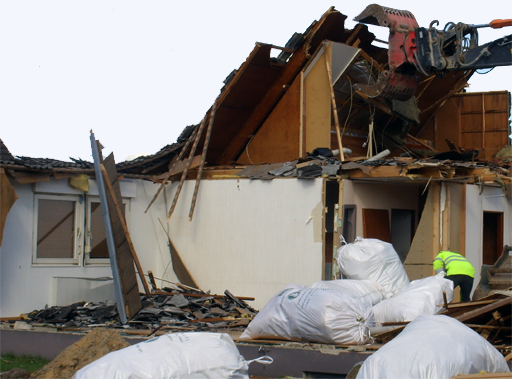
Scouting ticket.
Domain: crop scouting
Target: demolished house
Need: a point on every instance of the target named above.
(293, 154)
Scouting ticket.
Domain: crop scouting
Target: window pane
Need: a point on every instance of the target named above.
(98, 242)
(55, 229)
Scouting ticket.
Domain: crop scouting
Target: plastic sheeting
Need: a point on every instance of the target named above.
(422, 297)
(314, 315)
(364, 290)
(175, 355)
(433, 347)
(374, 260)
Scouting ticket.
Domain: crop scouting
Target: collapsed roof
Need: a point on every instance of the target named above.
(252, 92)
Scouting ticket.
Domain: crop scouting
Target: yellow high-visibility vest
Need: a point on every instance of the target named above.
(453, 264)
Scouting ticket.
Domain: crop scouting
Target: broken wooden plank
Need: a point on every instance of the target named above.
(122, 220)
(375, 102)
(152, 280)
(420, 142)
(169, 173)
(185, 172)
(179, 268)
(465, 317)
(469, 304)
(203, 159)
(245, 298)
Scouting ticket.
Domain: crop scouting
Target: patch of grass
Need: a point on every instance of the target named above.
(10, 361)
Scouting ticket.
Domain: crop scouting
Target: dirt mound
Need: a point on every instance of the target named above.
(93, 346)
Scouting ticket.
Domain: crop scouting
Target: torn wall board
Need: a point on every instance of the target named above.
(123, 272)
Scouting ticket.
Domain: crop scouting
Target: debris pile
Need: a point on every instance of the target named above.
(93, 346)
(490, 317)
(163, 310)
(449, 167)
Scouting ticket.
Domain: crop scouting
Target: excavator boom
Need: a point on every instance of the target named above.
(415, 50)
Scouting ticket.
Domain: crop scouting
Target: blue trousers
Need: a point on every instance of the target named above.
(466, 285)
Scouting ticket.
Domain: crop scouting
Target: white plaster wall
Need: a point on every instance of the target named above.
(25, 287)
(250, 237)
(491, 199)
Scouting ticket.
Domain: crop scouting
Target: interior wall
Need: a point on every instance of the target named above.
(252, 237)
(380, 195)
(317, 103)
(491, 199)
(278, 138)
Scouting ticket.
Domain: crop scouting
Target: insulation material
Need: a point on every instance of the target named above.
(422, 297)
(318, 315)
(174, 355)
(80, 181)
(374, 260)
(364, 290)
(433, 347)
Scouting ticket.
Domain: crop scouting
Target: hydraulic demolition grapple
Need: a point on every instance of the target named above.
(413, 49)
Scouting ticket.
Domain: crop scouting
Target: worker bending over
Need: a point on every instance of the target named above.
(458, 270)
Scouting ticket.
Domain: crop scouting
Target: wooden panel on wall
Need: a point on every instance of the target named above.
(474, 121)
(317, 109)
(425, 244)
(278, 138)
(376, 224)
(447, 125)
(484, 122)
(418, 271)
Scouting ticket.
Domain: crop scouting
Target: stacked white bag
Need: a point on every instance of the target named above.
(374, 260)
(364, 290)
(422, 297)
(433, 347)
(173, 356)
(320, 315)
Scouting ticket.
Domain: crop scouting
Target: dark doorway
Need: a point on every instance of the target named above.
(492, 237)
(402, 231)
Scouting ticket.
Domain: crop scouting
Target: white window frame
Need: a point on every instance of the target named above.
(88, 261)
(78, 237)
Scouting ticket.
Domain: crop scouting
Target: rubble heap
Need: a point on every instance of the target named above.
(163, 310)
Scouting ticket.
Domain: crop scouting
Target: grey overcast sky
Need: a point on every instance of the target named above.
(138, 72)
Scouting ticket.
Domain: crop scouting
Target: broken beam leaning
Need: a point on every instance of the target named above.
(125, 229)
(187, 167)
(203, 159)
(169, 173)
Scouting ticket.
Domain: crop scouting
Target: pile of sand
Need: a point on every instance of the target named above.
(93, 346)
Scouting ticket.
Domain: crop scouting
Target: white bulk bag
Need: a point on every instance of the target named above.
(422, 297)
(364, 290)
(174, 355)
(374, 260)
(321, 315)
(433, 347)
